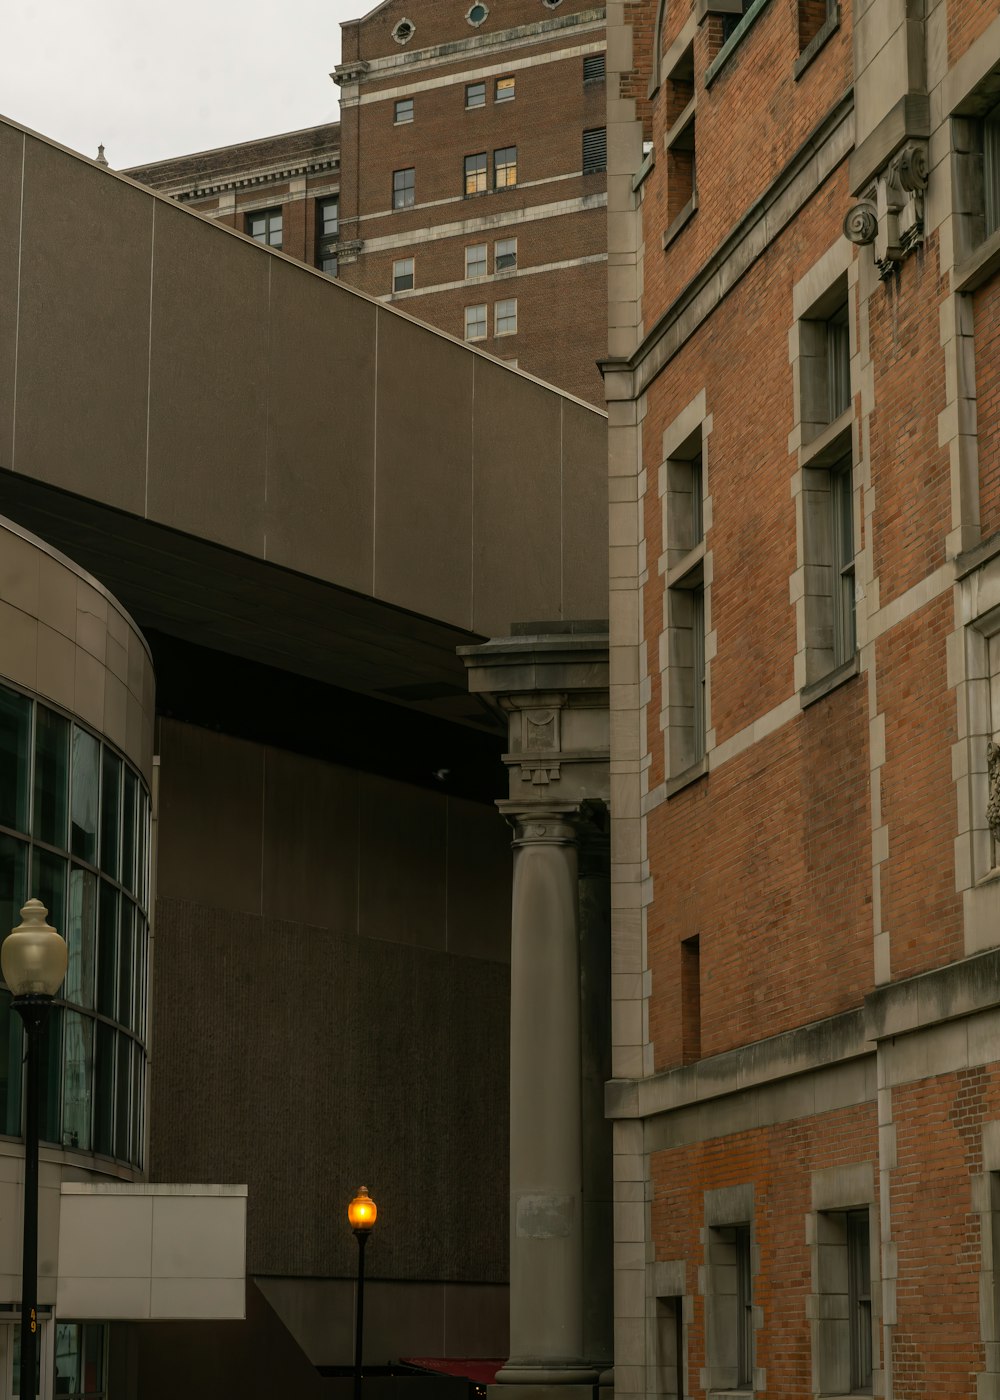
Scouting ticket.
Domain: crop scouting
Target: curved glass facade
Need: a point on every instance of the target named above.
(74, 833)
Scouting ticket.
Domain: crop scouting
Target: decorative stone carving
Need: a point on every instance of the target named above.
(993, 777)
(861, 224)
(891, 216)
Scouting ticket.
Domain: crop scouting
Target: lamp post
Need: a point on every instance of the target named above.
(361, 1213)
(33, 958)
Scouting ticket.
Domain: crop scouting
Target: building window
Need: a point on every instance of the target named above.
(74, 833)
(505, 317)
(404, 31)
(686, 621)
(264, 226)
(475, 94)
(402, 275)
(593, 68)
(476, 14)
(329, 265)
(844, 1280)
(842, 551)
(403, 188)
(838, 363)
(595, 150)
(403, 111)
(80, 1360)
(503, 91)
(505, 168)
(691, 1000)
(824, 378)
(504, 254)
(475, 323)
(729, 1340)
(328, 213)
(475, 260)
(670, 1348)
(475, 173)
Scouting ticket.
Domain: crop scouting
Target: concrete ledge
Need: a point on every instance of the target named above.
(829, 1042)
(910, 117)
(947, 993)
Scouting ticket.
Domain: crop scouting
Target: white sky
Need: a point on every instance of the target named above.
(156, 78)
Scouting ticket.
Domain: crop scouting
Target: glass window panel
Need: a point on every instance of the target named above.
(94, 1349)
(130, 804)
(403, 188)
(505, 168)
(68, 1358)
(85, 792)
(505, 89)
(78, 1069)
(50, 1075)
(991, 170)
(81, 936)
(15, 733)
(11, 1059)
(48, 883)
(505, 253)
(475, 94)
(137, 1104)
(122, 1079)
(104, 1089)
(475, 322)
(111, 786)
(51, 777)
(142, 955)
(107, 950)
(126, 942)
(475, 260)
(475, 173)
(142, 883)
(16, 1365)
(404, 110)
(329, 215)
(13, 882)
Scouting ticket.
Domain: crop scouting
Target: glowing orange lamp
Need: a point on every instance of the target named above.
(361, 1213)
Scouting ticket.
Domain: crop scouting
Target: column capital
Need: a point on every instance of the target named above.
(562, 823)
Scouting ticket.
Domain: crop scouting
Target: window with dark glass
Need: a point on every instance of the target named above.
(329, 265)
(264, 226)
(505, 168)
(402, 275)
(403, 111)
(73, 833)
(475, 173)
(403, 188)
(328, 213)
(505, 254)
(475, 95)
(80, 1360)
(842, 551)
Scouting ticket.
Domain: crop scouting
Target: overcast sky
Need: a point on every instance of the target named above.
(163, 79)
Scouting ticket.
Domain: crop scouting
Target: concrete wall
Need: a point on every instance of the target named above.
(225, 391)
(330, 1008)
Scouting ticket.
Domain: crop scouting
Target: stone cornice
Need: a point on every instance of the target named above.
(827, 146)
(275, 175)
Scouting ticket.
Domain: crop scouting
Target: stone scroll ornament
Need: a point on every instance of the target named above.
(993, 779)
(891, 216)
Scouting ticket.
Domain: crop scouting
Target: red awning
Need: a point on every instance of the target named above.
(480, 1372)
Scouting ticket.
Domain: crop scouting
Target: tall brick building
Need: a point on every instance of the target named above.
(804, 235)
(466, 183)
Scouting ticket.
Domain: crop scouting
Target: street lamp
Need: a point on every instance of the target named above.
(361, 1213)
(33, 958)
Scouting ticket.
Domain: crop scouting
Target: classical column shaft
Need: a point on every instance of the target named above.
(546, 1225)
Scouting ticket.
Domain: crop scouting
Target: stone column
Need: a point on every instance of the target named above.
(546, 1185)
(550, 686)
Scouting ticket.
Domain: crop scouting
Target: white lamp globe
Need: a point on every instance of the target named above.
(33, 956)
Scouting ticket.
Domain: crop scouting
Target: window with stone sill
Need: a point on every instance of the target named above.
(404, 188)
(844, 1350)
(975, 133)
(670, 1348)
(476, 322)
(475, 95)
(505, 317)
(504, 89)
(729, 1306)
(505, 254)
(475, 260)
(505, 168)
(74, 833)
(685, 606)
(475, 169)
(403, 111)
(679, 140)
(402, 275)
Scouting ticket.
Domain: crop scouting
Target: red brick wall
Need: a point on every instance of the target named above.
(986, 309)
(911, 474)
(778, 1161)
(919, 905)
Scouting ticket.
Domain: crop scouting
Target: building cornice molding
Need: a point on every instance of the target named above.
(271, 176)
(361, 71)
(827, 146)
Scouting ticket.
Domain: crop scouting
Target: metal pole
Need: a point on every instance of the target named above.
(33, 1011)
(362, 1237)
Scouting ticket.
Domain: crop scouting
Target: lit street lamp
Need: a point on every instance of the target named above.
(33, 958)
(361, 1213)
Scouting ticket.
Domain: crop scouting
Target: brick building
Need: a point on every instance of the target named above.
(466, 183)
(804, 236)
